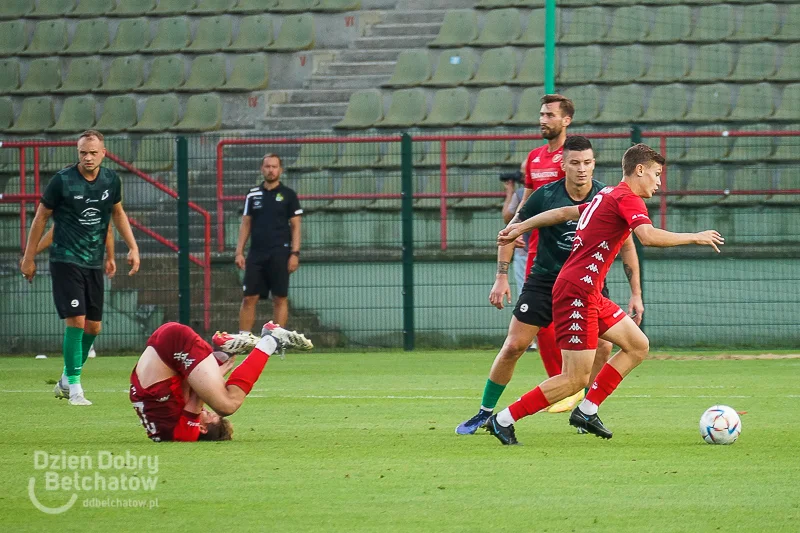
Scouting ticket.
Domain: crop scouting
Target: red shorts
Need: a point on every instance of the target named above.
(158, 406)
(179, 347)
(580, 318)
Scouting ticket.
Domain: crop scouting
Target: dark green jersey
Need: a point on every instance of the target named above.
(81, 212)
(555, 242)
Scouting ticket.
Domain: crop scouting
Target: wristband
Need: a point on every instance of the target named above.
(297, 253)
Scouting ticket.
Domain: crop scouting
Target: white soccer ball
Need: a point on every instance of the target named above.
(720, 424)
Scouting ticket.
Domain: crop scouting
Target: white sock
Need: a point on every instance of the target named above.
(588, 408)
(63, 382)
(267, 344)
(504, 418)
(486, 409)
(243, 332)
(75, 390)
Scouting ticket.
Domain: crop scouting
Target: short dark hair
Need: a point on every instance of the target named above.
(276, 156)
(577, 143)
(567, 107)
(640, 154)
(92, 133)
(222, 430)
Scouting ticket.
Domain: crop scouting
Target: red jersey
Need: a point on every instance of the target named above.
(605, 223)
(541, 167)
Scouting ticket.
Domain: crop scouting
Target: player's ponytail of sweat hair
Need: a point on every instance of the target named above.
(222, 430)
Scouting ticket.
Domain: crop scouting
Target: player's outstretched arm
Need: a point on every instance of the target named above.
(630, 264)
(547, 218)
(27, 265)
(122, 224)
(651, 236)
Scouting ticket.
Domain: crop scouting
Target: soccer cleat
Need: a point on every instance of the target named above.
(471, 426)
(79, 399)
(234, 343)
(62, 393)
(590, 423)
(504, 434)
(567, 403)
(286, 338)
(582, 431)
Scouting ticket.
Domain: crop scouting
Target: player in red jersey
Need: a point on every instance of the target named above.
(580, 312)
(179, 372)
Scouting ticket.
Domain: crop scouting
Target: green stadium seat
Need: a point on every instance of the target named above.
(488, 153)
(790, 29)
(250, 73)
(707, 149)
(669, 62)
(359, 155)
(751, 149)
(588, 103)
(252, 6)
(450, 107)
(133, 35)
(609, 151)
(668, 103)
(713, 62)
(316, 156)
(6, 113)
(49, 38)
(532, 70)
(124, 75)
(166, 74)
(54, 158)
(528, 108)
(213, 34)
(710, 103)
(459, 28)
(119, 114)
(171, 8)
(255, 34)
(624, 103)
(758, 23)
(363, 111)
(9, 75)
(314, 183)
(408, 108)
(172, 35)
(391, 157)
(91, 37)
(294, 6)
(494, 4)
(16, 9)
(786, 147)
(629, 25)
(714, 24)
(755, 102)
(353, 182)
(789, 67)
(534, 31)
(212, 7)
(586, 26)
(160, 113)
(155, 153)
(77, 114)
(296, 33)
(625, 64)
(121, 147)
(673, 24)
(12, 37)
(337, 6)
(756, 62)
(44, 75)
(457, 151)
(789, 108)
(413, 67)
(502, 26)
(427, 182)
(388, 183)
(84, 75)
(207, 74)
(788, 178)
(35, 116)
(493, 107)
(51, 9)
(132, 8)
(203, 113)
(454, 68)
(708, 178)
(498, 66)
(92, 8)
(580, 65)
(676, 146)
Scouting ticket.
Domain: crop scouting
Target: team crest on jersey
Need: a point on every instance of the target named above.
(184, 358)
(556, 158)
(279, 197)
(105, 195)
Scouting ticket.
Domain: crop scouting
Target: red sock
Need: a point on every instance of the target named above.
(531, 403)
(549, 350)
(604, 384)
(247, 373)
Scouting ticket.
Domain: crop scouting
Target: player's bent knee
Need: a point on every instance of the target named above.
(513, 348)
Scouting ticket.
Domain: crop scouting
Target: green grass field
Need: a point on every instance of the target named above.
(365, 442)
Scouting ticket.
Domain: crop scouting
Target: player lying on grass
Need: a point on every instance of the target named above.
(580, 312)
(179, 373)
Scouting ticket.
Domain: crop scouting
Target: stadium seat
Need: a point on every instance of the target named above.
(132, 8)
(713, 62)
(751, 149)
(708, 178)
(212, 7)
(528, 108)
(155, 153)
(789, 108)
(408, 108)
(667, 104)
(255, 34)
(392, 158)
(758, 23)
(54, 158)
(250, 73)
(119, 114)
(166, 74)
(133, 35)
(751, 178)
(35, 116)
(788, 178)
(77, 114)
(587, 103)
(790, 29)
(388, 183)
(580, 65)
(16, 9)
(789, 69)
(413, 67)
(203, 113)
(296, 33)
(124, 75)
(121, 147)
(532, 70)
(9, 75)
(316, 156)
(85, 74)
(49, 38)
(92, 8)
(359, 155)
(710, 103)
(714, 24)
(363, 111)
(502, 26)
(534, 31)
(44, 75)
(488, 153)
(668, 63)
(707, 149)
(676, 146)
(457, 150)
(625, 64)
(609, 151)
(586, 26)
(12, 37)
(6, 113)
(454, 68)
(672, 25)
(786, 146)
(498, 66)
(427, 182)
(336, 6)
(172, 35)
(756, 62)
(623, 103)
(160, 113)
(629, 25)
(353, 182)
(247, 7)
(91, 37)
(459, 28)
(450, 107)
(51, 9)
(213, 34)
(171, 8)
(755, 102)
(314, 183)
(294, 6)
(207, 74)
(493, 107)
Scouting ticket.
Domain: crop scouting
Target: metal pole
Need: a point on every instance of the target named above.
(407, 214)
(184, 286)
(550, 46)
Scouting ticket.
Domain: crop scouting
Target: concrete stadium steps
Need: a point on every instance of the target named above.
(320, 109)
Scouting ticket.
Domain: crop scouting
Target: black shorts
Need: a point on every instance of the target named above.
(535, 304)
(77, 291)
(267, 274)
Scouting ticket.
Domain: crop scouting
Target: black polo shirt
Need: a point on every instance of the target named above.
(269, 213)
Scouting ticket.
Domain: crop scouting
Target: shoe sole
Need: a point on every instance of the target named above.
(588, 429)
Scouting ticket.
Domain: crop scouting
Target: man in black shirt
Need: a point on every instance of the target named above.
(272, 216)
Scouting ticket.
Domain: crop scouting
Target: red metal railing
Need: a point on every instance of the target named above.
(22, 198)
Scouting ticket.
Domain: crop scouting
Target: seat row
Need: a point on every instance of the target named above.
(203, 112)
(45, 9)
(126, 74)
(631, 24)
(497, 4)
(134, 36)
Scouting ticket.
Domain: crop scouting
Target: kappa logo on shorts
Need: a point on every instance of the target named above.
(587, 279)
(577, 303)
(164, 398)
(574, 340)
(184, 358)
(576, 316)
(604, 245)
(593, 268)
(599, 257)
(615, 315)
(523, 308)
(74, 303)
(575, 327)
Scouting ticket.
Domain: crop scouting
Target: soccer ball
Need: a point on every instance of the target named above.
(720, 424)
